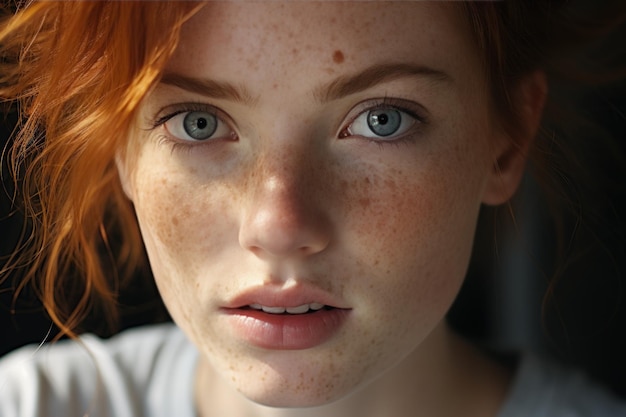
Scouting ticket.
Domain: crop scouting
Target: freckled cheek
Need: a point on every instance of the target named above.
(414, 240)
(388, 219)
(182, 222)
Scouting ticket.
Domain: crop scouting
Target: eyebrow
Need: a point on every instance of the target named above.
(341, 87)
(207, 87)
(351, 84)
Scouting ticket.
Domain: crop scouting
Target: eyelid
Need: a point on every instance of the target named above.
(410, 107)
(166, 113)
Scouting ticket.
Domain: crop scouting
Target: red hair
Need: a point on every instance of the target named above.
(78, 71)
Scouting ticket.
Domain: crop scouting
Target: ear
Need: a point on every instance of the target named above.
(124, 175)
(511, 148)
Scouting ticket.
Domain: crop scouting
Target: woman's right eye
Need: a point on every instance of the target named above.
(197, 126)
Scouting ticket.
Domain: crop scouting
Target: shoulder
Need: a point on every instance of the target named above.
(128, 374)
(545, 389)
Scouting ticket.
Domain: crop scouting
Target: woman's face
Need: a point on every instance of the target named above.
(306, 154)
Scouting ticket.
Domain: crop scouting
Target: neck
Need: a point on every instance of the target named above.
(444, 377)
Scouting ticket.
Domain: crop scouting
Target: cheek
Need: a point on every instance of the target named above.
(404, 218)
(178, 215)
(184, 225)
(413, 233)
(165, 212)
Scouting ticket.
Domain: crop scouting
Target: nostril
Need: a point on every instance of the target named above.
(319, 245)
(287, 245)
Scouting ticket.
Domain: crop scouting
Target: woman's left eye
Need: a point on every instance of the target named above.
(385, 123)
(197, 126)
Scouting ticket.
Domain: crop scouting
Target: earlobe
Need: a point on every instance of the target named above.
(511, 153)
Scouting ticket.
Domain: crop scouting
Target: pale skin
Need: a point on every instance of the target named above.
(292, 191)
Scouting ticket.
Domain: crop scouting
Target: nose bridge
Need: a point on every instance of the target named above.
(284, 215)
(285, 177)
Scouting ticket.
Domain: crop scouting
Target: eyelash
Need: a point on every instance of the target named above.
(407, 107)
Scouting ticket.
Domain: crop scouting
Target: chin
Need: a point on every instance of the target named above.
(280, 399)
(300, 394)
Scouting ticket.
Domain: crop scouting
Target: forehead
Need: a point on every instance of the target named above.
(251, 40)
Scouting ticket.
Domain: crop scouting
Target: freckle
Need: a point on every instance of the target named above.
(175, 221)
(338, 56)
(344, 186)
(365, 202)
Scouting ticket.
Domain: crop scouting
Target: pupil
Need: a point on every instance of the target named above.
(201, 123)
(382, 119)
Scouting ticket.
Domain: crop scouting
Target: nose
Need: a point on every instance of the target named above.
(285, 217)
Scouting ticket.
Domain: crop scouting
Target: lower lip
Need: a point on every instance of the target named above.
(285, 331)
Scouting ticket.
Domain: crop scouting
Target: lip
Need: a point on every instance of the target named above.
(284, 331)
(276, 296)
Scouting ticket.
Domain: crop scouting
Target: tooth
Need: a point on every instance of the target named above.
(316, 306)
(256, 306)
(274, 310)
(298, 310)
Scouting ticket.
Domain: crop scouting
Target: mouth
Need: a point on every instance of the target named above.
(273, 317)
(298, 310)
(275, 328)
(276, 299)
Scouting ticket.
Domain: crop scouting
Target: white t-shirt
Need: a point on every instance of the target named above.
(149, 372)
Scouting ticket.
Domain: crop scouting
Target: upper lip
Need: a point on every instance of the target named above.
(278, 296)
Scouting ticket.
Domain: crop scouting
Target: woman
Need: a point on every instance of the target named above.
(306, 179)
